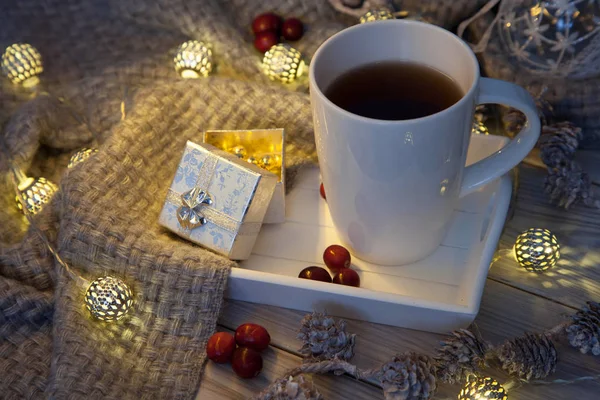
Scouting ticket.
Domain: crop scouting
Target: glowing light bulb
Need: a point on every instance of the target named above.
(479, 128)
(283, 63)
(537, 249)
(483, 388)
(376, 15)
(22, 63)
(239, 151)
(108, 299)
(193, 60)
(34, 193)
(81, 156)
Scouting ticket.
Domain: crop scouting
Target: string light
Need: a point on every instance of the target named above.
(34, 194)
(483, 388)
(376, 15)
(22, 63)
(193, 60)
(537, 249)
(81, 156)
(284, 63)
(108, 299)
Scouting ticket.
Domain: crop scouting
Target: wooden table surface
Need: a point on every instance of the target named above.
(514, 302)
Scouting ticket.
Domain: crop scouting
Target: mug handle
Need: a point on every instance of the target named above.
(494, 91)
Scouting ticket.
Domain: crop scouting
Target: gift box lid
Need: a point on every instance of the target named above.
(217, 200)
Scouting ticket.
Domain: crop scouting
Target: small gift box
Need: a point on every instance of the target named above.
(264, 148)
(217, 200)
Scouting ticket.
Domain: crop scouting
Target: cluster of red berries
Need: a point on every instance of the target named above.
(268, 28)
(243, 350)
(337, 259)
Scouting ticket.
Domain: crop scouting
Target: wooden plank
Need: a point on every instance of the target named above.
(506, 312)
(574, 280)
(590, 162)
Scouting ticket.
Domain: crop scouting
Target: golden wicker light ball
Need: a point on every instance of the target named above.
(283, 63)
(193, 59)
(381, 14)
(22, 63)
(80, 156)
(482, 388)
(239, 151)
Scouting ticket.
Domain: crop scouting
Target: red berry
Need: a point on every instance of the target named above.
(246, 363)
(292, 29)
(322, 190)
(267, 22)
(253, 336)
(220, 347)
(315, 274)
(347, 277)
(336, 257)
(265, 40)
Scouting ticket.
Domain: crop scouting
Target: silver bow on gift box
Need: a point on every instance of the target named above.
(189, 213)
(195, 207)
(217, 200)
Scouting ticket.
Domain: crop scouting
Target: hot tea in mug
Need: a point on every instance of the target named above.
(394, 91)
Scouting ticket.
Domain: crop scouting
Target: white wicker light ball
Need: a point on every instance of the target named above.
(483, 388)
(81, 156)
(108, 299)
(193, 60)
(381, 14)
(283, 63)
(34, 193)
(537, 249)
(22, 63)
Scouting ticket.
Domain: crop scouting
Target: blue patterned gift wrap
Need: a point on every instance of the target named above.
(217, 200)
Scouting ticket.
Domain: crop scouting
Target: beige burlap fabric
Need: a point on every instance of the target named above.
(109, 75)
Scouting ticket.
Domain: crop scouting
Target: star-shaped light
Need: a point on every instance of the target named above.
(189, 214)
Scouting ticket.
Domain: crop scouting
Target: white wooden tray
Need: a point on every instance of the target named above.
(437, 294)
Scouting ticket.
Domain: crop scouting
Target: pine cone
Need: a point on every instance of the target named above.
(459, 356)
(513, 121)
(558, 143)
(409, 376)
(584, 332)
(568, 184)
(324, 339)
(529, 356)
(293, 388)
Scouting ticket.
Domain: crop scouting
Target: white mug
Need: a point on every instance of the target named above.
(392, 186)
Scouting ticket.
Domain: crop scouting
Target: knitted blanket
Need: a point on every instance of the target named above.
(109, 76)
